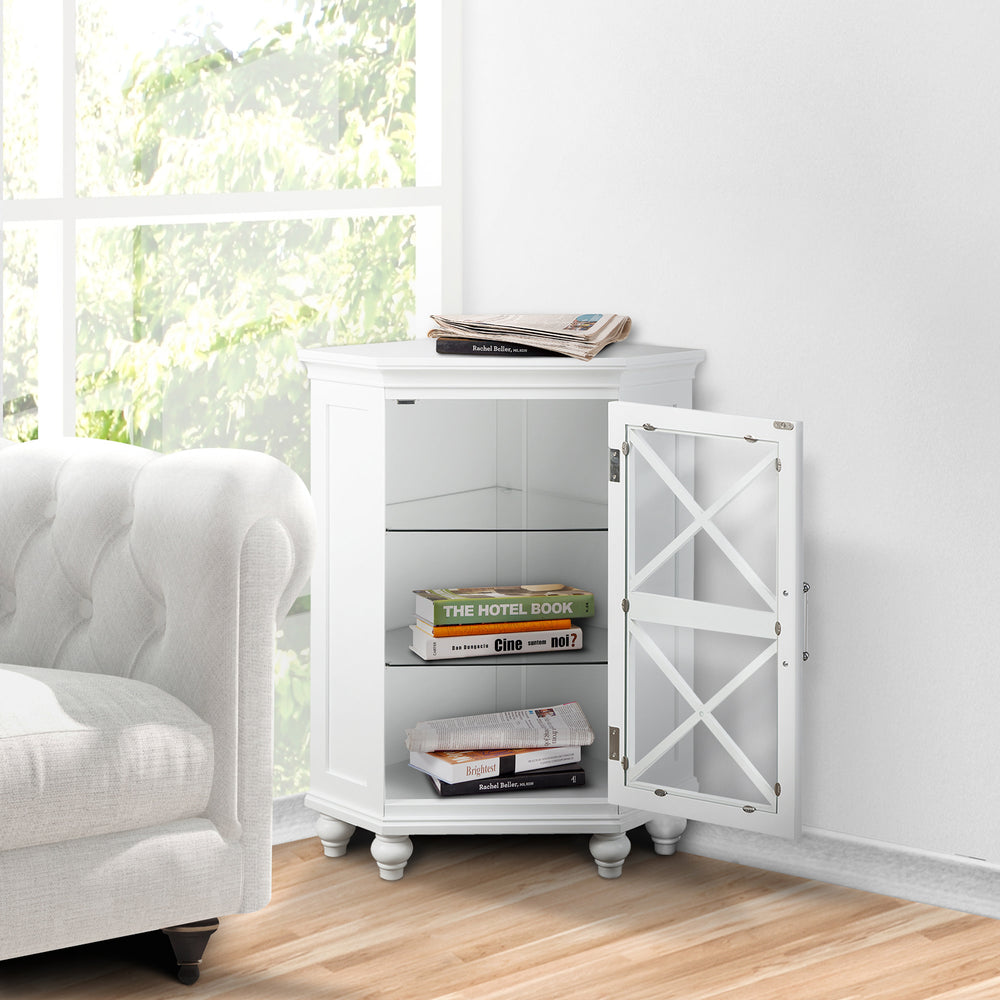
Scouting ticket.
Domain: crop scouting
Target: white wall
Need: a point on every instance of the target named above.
(811, 192)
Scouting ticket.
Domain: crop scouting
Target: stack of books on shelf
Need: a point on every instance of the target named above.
(489, 621)
(519, 750)
(575, 335)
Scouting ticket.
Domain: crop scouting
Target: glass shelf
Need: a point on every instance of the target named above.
(497, 508)
(595, 650)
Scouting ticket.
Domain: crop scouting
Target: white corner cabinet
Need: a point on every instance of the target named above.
(432, 470)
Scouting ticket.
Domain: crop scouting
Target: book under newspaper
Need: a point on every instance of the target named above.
(490, 348)
(566, 776)
(551, 726)
(465, 765)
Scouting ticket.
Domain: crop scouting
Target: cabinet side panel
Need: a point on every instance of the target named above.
(348, 609)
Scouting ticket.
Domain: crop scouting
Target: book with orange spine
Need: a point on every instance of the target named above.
(488, 628)
(432, 647)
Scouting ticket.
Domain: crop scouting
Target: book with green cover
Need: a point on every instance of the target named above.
(470, 605)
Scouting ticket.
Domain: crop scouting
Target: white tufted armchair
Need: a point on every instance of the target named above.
(139, 597)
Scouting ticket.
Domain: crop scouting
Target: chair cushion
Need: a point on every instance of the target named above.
(83, 754)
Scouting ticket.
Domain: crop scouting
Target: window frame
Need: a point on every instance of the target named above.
(435, 199)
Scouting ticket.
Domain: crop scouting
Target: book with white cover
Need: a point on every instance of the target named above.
(466, 765)
(445, 647)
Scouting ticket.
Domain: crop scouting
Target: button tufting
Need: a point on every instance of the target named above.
(85, 608)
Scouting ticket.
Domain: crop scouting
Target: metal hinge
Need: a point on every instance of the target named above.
(614, 735)
(777, 789)
(625, 447)
(783, 425)
(614, 465)
(805, 621)
(624, 763)
(625, 605)
(777, 465)
(749, 809)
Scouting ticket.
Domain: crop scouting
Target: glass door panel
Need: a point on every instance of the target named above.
(709, 637)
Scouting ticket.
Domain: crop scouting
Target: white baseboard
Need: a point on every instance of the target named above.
(292, 820)
(941, 880)
(953, 882)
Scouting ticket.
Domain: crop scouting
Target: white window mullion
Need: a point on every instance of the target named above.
(57, 239)
(67, 352)
(450, 61)
(439, 159)
(56, 393)
(245, 206)
(3, 396)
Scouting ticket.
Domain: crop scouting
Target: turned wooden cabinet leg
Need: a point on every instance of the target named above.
(610, 850)
(189, 942)
(666, 832)
(391, 855)
(333, 835)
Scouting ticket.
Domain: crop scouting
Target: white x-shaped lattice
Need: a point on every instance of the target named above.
(702, 711)
(703, 521)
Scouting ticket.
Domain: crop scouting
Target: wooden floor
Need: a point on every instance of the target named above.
(520, 918)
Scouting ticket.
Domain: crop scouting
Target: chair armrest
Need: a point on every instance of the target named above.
(171, 569)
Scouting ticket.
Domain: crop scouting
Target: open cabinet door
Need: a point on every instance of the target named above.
(705, 653)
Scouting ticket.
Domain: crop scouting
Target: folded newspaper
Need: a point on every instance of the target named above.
(577, 336)
(554, 726)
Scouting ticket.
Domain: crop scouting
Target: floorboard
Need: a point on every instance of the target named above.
(504, 918)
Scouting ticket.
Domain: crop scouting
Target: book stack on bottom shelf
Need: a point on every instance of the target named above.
(488, 621)
(511, 751)
(470, 772)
